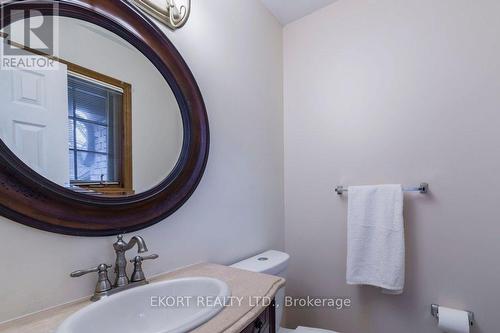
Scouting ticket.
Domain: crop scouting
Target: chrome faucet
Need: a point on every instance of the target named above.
(122, 282)
(121, 262)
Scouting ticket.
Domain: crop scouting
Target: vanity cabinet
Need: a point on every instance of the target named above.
(265, 323)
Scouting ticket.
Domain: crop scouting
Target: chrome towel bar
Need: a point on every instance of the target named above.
(422, 188)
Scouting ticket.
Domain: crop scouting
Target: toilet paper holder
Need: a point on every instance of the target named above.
(435, 313)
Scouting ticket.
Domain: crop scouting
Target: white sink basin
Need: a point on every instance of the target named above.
(174, 306)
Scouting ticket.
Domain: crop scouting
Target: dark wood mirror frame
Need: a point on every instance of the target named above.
(28, 198)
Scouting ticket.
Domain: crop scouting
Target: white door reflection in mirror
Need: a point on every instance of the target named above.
(33, 119)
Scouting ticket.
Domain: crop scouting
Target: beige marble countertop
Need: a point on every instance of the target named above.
(233, 319)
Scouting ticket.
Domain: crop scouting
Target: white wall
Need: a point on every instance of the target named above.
(395, 91)
(234, 49)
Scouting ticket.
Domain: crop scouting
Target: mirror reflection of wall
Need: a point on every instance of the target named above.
(88, 125)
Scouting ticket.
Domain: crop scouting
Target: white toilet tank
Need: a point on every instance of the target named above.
(272, 263)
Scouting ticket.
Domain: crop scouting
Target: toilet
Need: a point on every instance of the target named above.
(275, 263)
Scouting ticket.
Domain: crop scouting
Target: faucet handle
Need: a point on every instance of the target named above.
(142, 258)
(98, 269)
(138, 274)
(103, 283)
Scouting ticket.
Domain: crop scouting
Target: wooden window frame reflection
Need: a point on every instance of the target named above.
(125, 185)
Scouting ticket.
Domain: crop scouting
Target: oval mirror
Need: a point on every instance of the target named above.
(103, 128)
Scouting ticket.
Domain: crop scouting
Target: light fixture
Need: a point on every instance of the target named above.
(167, 11)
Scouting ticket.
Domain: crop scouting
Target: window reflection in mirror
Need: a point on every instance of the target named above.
(97, 113)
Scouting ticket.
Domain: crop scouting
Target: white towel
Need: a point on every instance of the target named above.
(375, 237)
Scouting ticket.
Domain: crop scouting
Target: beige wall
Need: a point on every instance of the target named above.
(234, 49)
(395, 91)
